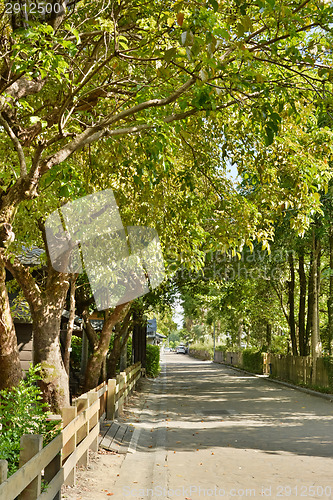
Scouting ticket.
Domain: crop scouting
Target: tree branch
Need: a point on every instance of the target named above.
(24, 278)
(96, 132)
(17, 145)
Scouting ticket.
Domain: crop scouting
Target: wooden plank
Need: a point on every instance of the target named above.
(3, 470)
(79, 421)
(120, 434)
(21, 478)
(69, 445)
(102, 391)
(109, 435)
(52, 471)
(126, 439)
(53, 487)
(79, 451)
(111, 399)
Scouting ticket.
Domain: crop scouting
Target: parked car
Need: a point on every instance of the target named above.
(181, 349)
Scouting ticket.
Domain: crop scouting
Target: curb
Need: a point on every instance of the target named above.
(328, 397)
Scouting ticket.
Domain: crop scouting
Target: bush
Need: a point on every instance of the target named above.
(152, 360)
(22, 411)
(222, 348)
(201, 350)
(252, 361)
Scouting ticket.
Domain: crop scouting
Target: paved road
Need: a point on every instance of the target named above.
(207, 431)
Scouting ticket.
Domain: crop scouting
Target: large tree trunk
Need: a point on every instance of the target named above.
(46, 310)
(268, 334)
(102, 346)
(70, 325)
(302, 304)
(308, 330)
(47, 352)
(330, 297)
(10, 367)
(120, 340)
(291, 297)
(315, 337)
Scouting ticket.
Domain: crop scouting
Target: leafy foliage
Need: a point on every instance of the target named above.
(22, 411)
(152, 360)
(252, 360)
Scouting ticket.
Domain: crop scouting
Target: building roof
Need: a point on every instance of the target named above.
(31, 256)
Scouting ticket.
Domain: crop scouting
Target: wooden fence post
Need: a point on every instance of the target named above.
(68, 414)
(92, 397)
(30, 444)
(3, 470)
(111, 399)
(82, 404)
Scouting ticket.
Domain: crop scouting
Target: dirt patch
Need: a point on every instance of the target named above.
(90, 480)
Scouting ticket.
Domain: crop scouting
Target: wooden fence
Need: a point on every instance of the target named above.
(55, 465)
(294, 369)
(298, 370)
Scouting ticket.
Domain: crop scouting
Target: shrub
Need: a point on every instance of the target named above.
(76, 346)
(222, 348)
(152, 360)
(252, 361)
(201, 350)
(22, 411)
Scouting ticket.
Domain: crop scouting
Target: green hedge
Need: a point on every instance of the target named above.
(252, 361)
(152, 360)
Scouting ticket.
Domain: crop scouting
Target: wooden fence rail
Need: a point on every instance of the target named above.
(55, 464)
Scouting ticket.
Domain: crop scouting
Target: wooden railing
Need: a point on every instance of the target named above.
(55, 464)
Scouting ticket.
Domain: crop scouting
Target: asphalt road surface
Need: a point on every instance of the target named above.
(208, 431)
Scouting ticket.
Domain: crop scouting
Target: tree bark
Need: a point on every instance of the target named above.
(70, 325)
(101, 349)
(291, 297)
(308, 330)
(10, 366)
(330, 297)
(47, 352)
(239, 334)
(302, 304)
(46, 310)
(268, 334)
(315, 339)
(120, 340)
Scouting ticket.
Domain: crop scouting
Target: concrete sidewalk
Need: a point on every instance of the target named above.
(207, 431)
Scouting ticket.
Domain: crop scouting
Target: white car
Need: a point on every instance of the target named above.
(181, 349)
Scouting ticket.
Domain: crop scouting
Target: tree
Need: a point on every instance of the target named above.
(110, 70)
